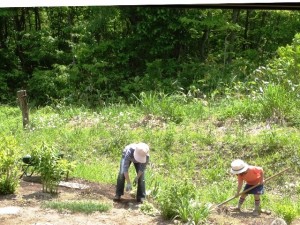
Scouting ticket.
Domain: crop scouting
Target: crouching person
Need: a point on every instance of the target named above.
(252, 175)
(138, 154)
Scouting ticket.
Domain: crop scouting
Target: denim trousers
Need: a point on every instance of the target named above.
(141, 188)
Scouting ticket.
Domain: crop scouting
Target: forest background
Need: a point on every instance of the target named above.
(97, 55)
(201, 86)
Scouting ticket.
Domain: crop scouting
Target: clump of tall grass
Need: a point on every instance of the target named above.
(276, 102)
(271, 103)
(234, 108)
(170, 107)
(286, 209)
(216, 193)
(179, 200)
(81, 206)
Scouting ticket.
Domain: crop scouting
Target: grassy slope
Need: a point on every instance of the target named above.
(192, 144)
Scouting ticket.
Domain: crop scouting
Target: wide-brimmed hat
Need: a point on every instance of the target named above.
(141, 152)
(238, 166)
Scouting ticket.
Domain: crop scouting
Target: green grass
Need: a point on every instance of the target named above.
(193, 142)
(286, 209)
(100, 170)
(86, 206)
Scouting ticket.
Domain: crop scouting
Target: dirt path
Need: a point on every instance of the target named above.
(27, 201)
(27, 204)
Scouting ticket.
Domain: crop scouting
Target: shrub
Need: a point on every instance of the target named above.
(287, 210)
(51, 166)
(9, 164)
(172, 198)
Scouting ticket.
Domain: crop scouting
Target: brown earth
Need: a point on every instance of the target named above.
(29, 199)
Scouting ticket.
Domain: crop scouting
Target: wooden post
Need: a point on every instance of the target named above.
(22, 98)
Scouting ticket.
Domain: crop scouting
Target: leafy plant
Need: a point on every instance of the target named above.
(199, 212)
(9, 164)
(149, 209)
(286, 209)
(176, 201)
(51, 166)
(170, 196)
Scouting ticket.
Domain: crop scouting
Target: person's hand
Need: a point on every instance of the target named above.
(135, 181)
(128, 187)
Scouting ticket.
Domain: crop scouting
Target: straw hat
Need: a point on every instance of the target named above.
(238, 166)
(141, 152)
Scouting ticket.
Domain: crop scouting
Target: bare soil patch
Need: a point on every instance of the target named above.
(29, 198)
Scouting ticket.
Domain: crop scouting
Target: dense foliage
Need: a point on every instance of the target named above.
(95, 55)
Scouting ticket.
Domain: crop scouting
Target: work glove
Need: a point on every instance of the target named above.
(135, 181)
(128, 187)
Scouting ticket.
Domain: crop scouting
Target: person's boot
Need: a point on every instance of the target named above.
(257, 209)
(140, 200)
(236, 209)
(255, 212)
(117, 198)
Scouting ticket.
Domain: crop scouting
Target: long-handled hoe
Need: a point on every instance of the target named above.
(269, 178)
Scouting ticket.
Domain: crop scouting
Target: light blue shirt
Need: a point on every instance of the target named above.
(128, 157)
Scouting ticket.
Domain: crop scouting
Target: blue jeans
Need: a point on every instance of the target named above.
(141, 188)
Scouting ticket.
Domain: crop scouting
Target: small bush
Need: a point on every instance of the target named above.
(173, 198)
(176, 201)
(51, 166)
(287, 210)
(9, 168)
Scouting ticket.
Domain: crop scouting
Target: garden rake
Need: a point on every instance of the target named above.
(245, 191)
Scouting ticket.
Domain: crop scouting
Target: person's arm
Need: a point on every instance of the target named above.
(137, 178)
(142, 168)
(125, 168)
(240, 185)
(128, 185)
(262, 179)
(139, 175)
(127, 178)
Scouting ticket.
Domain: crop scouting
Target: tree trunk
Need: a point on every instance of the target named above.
(203, 45)
(245, 44)
(232, 36)
(37, 19)
(19, 20)
(3, 32)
